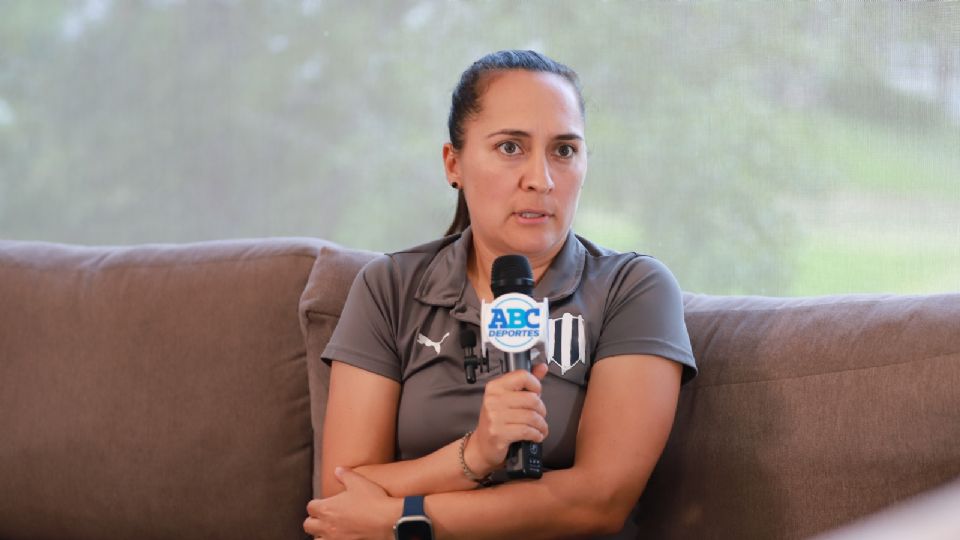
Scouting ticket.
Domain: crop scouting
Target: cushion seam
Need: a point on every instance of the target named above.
(937, 357)
(819, 305)
(172, 263)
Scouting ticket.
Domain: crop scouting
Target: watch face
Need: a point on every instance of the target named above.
(414, 528)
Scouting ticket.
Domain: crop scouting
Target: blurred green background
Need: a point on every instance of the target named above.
(756, 148)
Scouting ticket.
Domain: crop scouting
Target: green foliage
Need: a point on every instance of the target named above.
(714, 128)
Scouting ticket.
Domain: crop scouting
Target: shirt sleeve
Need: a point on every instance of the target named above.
(365, 336)
(644, 315)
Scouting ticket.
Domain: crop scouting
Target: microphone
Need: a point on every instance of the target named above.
(511, 274)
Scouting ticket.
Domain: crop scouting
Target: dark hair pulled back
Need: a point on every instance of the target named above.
(465, 101)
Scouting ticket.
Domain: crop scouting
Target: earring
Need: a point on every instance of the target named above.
(455, 185)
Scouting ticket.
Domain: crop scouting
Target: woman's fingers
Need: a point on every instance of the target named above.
(514, 381)
(523, 423)
(523, 400)
(511, 411)
(539, 371)
(511, 433)
(312, 526)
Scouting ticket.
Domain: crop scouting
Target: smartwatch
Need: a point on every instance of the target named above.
(414, 523)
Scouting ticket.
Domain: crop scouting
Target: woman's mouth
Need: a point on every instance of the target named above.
(531, 216)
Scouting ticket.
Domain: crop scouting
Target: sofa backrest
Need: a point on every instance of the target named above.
(168, 391)
(154, 391)
(808, 413)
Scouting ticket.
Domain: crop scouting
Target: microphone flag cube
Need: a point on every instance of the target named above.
(514, 323)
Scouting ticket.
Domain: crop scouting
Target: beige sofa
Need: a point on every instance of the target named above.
(176, 392)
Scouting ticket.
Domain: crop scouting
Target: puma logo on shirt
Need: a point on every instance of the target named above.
(424, 340)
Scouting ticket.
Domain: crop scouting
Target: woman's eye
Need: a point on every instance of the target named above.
(566, 151)
(509, 148)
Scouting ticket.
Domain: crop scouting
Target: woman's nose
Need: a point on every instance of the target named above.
(536, 177)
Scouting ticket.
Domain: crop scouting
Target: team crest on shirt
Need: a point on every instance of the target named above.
(567, 345)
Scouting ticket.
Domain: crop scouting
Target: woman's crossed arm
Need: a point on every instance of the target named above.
(626, 418)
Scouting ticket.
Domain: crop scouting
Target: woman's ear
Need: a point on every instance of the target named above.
(451, 165)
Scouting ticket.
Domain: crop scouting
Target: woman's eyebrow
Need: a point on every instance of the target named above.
(519, 133)
(511, 132)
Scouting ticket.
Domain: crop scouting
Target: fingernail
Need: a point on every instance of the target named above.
(338, 471)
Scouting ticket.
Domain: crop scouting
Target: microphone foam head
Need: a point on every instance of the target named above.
(511, 273)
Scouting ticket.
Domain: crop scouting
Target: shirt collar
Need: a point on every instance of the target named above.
(444, 283)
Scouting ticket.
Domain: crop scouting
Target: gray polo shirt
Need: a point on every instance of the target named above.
(402, 321)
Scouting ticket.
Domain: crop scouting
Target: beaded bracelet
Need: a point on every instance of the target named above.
(482, 482)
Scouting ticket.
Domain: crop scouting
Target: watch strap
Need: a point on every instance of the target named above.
(413, 505)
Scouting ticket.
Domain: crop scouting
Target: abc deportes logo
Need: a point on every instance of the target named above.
(514, 322)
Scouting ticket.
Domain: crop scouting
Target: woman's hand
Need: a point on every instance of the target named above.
(511, 411)
(362, 510)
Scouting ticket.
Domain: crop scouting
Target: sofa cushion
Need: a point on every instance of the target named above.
(320, 307)
(807, 413)
(154, 391)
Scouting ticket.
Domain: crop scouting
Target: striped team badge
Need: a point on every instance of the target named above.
(567, 345)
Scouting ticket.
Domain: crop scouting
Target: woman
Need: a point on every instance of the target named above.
(403, 423)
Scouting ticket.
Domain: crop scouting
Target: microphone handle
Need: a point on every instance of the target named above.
(523, 457)
(520, 360)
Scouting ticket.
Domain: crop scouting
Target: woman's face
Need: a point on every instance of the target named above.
(522, 164)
